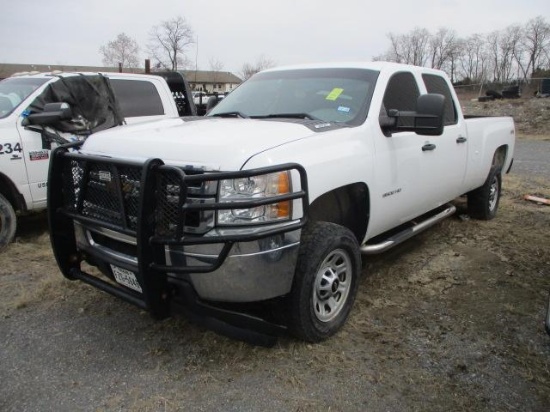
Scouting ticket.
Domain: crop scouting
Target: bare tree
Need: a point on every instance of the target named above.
(216, 66)
(515, 37)
(418, 41)
(493, 52)
(168, 42)
(249, 69)
(123, 50)
(509, 46)
(514, 52)
(536, 42)
(473, 59)
(453, 61)
(442, 46)
(399, 51)
(410, 48)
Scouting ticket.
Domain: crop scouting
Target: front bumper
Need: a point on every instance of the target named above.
(137, 217)
(252, 271)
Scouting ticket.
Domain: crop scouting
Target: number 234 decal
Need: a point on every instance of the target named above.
(8, 148)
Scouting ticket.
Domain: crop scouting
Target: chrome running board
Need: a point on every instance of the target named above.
(406, 234)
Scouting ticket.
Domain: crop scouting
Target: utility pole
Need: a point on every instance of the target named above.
(196, 61)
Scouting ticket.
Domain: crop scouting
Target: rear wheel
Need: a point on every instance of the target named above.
(483, 201)
(8, 222)
(325, 282)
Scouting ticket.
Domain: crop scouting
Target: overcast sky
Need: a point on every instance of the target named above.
(240, 31)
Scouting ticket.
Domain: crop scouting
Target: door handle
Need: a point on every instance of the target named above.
(461, 139)
(428, 146)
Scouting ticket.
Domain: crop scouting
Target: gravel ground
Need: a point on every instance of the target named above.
(452, 320)
(532, 158)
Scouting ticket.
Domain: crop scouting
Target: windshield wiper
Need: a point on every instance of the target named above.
(288, 116)
(231, 114)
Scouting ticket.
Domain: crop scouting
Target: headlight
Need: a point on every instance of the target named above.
(255, 188)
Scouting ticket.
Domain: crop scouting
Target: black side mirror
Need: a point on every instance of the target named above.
(428, 119)
(430, 109)
(52, 113)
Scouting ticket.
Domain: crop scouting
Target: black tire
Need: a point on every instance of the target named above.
(321, 299)
(483, 202)
(8, 222)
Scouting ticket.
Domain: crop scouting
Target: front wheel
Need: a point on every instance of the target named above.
(483, 201)
(325, 282)
(8, 222)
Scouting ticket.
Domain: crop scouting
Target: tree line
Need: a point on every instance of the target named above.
(514, 53)
(167, 48)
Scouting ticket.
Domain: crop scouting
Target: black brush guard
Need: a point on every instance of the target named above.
(104, 193)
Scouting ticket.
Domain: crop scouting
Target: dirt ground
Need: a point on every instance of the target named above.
(451, 320)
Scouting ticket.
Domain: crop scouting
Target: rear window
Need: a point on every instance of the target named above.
(137, 98)
(437, 84)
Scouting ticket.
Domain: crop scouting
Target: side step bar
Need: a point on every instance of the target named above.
(406, 234)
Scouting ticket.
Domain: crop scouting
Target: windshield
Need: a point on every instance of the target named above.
(331, 95)
(15, 90)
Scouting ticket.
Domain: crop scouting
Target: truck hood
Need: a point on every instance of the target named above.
(213, 143)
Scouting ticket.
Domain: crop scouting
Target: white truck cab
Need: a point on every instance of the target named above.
(24, 156)
(273, 197)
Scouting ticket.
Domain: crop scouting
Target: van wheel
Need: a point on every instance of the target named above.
(325, 282)
(483, 201)
(8, 222)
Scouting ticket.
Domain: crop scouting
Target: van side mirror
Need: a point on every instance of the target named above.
(212, 102)
(52, 113)
(428, 119)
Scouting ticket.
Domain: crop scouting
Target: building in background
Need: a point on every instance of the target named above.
(211, 82)
(207, 81)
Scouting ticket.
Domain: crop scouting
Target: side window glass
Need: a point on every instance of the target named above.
(437, 84)
(401, 94)
(137, 98)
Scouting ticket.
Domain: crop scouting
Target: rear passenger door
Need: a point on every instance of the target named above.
(448, 163)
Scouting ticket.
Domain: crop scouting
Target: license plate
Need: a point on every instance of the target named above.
(126, 278)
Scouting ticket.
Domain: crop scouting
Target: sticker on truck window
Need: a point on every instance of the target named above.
(334, 94)
(343, 109)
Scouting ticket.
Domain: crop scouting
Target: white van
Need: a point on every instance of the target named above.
(24, 151)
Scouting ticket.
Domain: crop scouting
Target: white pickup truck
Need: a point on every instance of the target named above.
(24, 151)
(273, 196)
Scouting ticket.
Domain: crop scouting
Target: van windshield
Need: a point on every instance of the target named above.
(332, 95)
(15, 90)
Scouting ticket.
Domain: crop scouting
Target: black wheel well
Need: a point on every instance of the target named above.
(348, 206)
(9, 191)
(500, 156)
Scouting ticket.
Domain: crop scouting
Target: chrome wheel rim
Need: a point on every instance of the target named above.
(493, 194)
(332, 285)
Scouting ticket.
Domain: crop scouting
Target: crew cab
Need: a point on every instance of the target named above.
(98, 101)
(254, 219)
